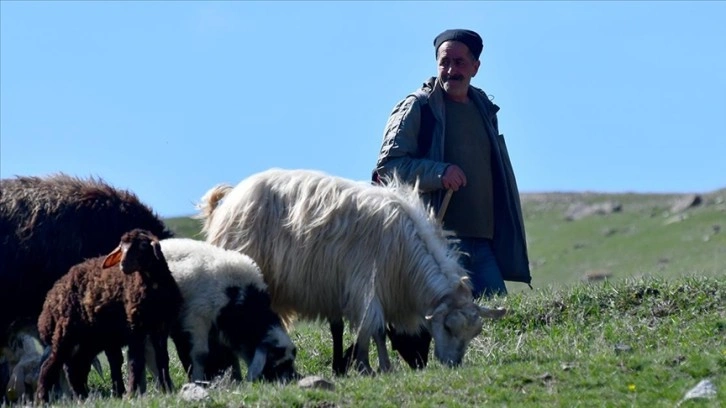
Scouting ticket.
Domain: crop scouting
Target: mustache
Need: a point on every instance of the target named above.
(453, 77)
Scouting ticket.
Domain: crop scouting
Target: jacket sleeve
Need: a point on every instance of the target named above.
(400, 144)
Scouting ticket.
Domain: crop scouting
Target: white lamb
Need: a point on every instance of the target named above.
(226, 309)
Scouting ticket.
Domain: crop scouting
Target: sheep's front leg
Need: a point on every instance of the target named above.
(340, 362)
(161, 353)
(115, 361)
(360, 351)
(413, 348)
(379, 337)
(137, 364)
(199, 350)
(182, 344)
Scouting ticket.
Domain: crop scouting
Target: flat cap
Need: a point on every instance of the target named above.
(470, 38)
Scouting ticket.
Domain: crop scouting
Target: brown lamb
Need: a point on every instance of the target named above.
(104, 304)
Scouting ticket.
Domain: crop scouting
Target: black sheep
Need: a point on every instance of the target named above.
(48, 224)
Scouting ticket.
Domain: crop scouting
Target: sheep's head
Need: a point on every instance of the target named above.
(24, 359)
(137, 251)
(455, 322)
(274, 358)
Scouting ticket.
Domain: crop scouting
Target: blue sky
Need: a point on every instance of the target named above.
(168, 99)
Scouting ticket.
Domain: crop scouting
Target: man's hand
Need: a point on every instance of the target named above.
(453, 178)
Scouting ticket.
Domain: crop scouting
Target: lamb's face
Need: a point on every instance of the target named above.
(138, 254)
(275, 358)
(137, 251)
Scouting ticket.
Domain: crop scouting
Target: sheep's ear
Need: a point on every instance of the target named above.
(113, 258)
(255, 368)
(157, 250)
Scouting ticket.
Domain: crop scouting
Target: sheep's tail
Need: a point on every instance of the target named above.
(209, 202)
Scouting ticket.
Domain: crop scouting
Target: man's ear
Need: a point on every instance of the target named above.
(477, 64)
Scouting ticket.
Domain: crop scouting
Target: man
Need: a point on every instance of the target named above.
(465, 154)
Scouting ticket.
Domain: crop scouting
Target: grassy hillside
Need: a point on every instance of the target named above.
(646, 236)
(630, 235)
(185, 227)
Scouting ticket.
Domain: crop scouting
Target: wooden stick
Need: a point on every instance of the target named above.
(444, 205)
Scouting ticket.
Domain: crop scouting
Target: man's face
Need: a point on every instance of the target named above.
(456, 68)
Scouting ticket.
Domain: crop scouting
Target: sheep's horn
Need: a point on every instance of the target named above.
(497, 313)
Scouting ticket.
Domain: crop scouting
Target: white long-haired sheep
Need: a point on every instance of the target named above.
(333, 248)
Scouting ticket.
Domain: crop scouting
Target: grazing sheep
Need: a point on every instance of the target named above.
(47, 225)
(226, 311)
(333, 248)
(23, 356)
(103, 304)
(4, 379)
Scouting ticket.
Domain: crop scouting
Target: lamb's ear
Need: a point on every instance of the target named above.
(255, 368)
(157, 250)
(113, 258)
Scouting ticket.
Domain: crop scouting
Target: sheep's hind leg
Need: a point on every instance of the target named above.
(373, 325)
(115, 361)
(384, 362)
(50, 371)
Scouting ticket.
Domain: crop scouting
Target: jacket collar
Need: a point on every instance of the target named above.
(436, 97)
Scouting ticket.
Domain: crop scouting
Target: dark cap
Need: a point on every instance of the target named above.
(468, 37)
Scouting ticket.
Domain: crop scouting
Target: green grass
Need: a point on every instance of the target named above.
(637, 342)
